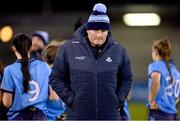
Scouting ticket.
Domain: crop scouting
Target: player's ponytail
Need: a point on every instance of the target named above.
(23, 43)
(164, 50)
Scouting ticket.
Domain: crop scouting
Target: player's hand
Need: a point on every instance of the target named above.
(153, 105)
(53, 95)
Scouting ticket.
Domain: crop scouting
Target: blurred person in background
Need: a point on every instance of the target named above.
(39, 41)
(164, 83)
(25, 83)
(91, 71)
(56, 108)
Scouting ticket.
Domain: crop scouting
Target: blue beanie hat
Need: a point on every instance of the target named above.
(43, 35)
(98, 18)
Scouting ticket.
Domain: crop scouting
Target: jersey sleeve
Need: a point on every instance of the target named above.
(7, 82)
(153, 67)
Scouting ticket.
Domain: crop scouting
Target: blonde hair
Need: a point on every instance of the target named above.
(50, 51)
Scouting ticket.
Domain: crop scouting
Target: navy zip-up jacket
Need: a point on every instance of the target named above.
(91, 88)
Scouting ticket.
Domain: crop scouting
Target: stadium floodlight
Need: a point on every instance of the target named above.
(6, 33)
(141, 19)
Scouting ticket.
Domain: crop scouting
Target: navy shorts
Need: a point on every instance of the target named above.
(30, 113)
(160, 115)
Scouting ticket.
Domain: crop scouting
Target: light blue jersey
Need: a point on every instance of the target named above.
(38, 93)
(168, 93)
(55, 109)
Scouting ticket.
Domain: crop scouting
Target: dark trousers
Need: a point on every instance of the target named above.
(30, 113)
(160, 115)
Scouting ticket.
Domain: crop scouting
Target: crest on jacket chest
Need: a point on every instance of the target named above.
(108, 59)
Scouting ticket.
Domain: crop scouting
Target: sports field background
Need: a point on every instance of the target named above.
(138, 111)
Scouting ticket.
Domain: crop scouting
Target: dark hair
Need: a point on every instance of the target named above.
(23, 43)
(164, 50)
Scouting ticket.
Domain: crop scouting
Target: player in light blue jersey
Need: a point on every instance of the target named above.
(25, 83)
(56, 108)
(164, 83)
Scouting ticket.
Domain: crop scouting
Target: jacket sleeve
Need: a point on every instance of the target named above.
(124, 79)
(59, 78)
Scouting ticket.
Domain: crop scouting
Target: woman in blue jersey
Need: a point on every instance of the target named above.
(25, 83)
(56, 108)
(164, 83)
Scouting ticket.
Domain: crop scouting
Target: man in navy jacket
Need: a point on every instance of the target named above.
(91, 72)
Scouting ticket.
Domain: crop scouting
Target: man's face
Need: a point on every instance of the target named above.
(37, 44)
(97, 37)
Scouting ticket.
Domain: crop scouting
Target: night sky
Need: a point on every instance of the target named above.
(35, 6)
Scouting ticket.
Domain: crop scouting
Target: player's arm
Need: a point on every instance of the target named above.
(155, 85)
(7, 88)
(52, 94)
(178, 104)
(177, 100)
(3, 109)
(129, 95)
(7, 99)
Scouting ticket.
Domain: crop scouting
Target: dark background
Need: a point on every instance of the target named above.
(34, 6)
